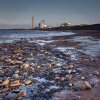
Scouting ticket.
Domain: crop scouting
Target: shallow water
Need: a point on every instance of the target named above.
(71, 51)
(89, 44)
(11, 35)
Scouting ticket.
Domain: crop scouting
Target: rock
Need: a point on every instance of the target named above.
(71, 66)
(6, 82)
(16, 62)
(25, 74)
(16, 51)
(63, 95)
(22, 93)
(4, 90)
(62, 78)
(11, 96)
(47, 90)
(1, 81)
(16, 71)
(8, 60)
(25, 65)
(1, 73)
(15, 83)
(82, 78)
(57, 78)
(70, 84)
(69, 71)
(27, 82)
(82, 85)
(68, 76)
(24, 98)
(31, 68)
(54, 88)
(38, 67)
(97, 73)
(16, 76)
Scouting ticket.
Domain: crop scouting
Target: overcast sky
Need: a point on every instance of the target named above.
(52, 11)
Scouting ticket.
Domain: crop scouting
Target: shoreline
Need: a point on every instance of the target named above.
(49, 68)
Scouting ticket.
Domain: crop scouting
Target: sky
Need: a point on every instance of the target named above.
(20, 12)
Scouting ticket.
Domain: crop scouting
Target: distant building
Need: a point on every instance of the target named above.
(42, 24)
(33, 25)
(65, 24)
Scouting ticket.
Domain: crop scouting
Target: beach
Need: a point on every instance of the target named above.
(52, 66)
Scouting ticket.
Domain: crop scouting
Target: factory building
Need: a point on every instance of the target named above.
(42, 24)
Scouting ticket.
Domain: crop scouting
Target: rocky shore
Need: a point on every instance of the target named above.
(56, 68)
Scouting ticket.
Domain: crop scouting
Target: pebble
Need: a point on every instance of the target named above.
(70, 84)
(97, 73)
(71, 66)
(6, 82)
(82, 78)
(11, 96)
(22, 93)
(54, 88)
(27, 82)
(25, 65)
(17, 71)
(82, 85)
(16, 76)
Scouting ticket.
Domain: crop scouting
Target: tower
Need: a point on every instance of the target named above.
(33, 25)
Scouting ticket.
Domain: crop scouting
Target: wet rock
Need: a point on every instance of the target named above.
(16, 62)
(68, 77)
(4, 90)
(47, 90)
(25, 74)
(1, 80)
(11, 96)
(25, 65)
(54, 88)
(27, 82)
(1, 73)
(22, 93)
(16, 51)
(5, 82)
(16, 71)
(70, 84)
(83, 85)
(15, 83)
(57, 78)
(16, 76)
(38, 67)
(69, 71)
(97, 73)
(64, 95)
(71, 66)
(82, 78)
(24, 98)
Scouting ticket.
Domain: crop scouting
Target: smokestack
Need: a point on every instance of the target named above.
(33, 25)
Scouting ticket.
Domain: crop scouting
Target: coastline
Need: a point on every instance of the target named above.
(53, 66)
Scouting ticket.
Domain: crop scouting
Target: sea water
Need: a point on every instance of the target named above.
(8, 36)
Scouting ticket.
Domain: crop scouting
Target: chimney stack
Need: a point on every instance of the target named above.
(33, 25)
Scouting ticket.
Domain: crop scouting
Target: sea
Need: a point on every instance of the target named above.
(8, 36)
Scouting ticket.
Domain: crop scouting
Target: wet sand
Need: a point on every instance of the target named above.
(51, 67)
